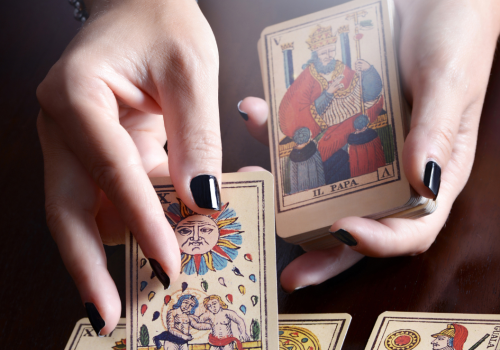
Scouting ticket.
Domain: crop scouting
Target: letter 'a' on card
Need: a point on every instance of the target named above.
(227, 290)
(434, 331)
(337, 120)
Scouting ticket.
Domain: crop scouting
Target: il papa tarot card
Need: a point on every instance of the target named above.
(84, 337)
(313, 331)
(434, 331)
(336, 115)
(226, 295)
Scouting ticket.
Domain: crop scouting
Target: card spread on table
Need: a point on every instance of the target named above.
(226, 295)
(84, 337)
(313, 331)
(433, 331)
(337, 119)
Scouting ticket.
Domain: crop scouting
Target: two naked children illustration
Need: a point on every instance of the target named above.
(217, 318)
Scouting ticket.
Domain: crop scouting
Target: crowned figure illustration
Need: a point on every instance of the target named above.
(318, 111)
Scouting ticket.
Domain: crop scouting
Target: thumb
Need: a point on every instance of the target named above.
(434, 126)
(255, 111)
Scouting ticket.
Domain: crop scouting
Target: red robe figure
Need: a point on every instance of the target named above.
(327, 96)
(366, 154)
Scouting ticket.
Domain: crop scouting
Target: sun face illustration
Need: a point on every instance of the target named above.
(207, 242)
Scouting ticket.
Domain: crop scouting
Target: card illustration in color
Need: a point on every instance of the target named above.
(313, 331)
(226, 295)
(433, 331)
(84, 337)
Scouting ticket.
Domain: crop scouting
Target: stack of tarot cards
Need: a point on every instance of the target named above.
(337, 121)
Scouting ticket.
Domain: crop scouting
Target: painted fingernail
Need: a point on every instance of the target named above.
(95, 318)
(243, 114)
(205, 190)
(162, 276)
(345, 237)
(432, 177)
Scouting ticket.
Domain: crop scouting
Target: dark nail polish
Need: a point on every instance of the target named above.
(95, 318)
(432, 177)
(158, 271)
(205, 190)
(345, 237)
(243, 114)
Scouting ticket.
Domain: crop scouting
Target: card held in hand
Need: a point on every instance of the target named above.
(337, 120)
(313, 331)
(226, 295)
(434, 331)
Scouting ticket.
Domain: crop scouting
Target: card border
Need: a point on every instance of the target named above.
(279, 199)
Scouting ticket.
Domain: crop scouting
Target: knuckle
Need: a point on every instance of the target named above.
(444, 139)
(205, 144)
(106, 176)
(55, 213)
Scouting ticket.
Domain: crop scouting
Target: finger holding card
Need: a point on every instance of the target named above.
(226, 295)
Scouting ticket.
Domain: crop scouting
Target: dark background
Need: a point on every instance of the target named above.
(39, 305)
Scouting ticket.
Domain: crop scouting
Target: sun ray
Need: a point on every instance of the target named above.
(209, 260)
(226, 222)
(226, 243)
(222, 253)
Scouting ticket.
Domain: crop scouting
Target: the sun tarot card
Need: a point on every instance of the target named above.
(313, 331)
(226, 295)
(336, 116)
(433, 331)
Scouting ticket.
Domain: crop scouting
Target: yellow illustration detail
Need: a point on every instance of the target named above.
(403, 339)
(317, 118)
(382, 120)
(344, 29)
(287, 46)
(321, 80)
(297, 338)
(286, 149)
(321, 36)
(347, 91)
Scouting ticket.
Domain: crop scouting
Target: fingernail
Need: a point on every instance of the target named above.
(243, 114)
(287, 292)
(345, 237)
(432, 177)
(205, 190)
(95, 318)
(158, 271)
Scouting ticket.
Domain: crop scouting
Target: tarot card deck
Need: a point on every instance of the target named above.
(337, 121)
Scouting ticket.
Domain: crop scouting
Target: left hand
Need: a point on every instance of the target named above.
(444, 70)
(361, 65)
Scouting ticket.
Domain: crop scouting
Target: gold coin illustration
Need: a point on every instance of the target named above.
(297, 338)
(403, 339)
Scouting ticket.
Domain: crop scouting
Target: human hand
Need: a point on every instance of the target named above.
(361, 65)
(335, 84)
(136, 73)
(444, 67)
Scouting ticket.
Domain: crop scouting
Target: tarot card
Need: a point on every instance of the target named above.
(313, 331)
(336, 126)
(226, 295)
(84, 337)
(433, 331)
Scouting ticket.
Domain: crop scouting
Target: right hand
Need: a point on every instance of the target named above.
(335, 84)
(136, 73)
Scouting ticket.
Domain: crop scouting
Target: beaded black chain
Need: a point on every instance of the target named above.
(80, 12)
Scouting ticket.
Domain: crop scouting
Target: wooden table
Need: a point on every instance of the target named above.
(39, 305)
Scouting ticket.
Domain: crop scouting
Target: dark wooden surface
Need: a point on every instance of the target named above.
(39, 305)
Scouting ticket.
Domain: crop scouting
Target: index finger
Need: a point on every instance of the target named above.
(92, 130)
